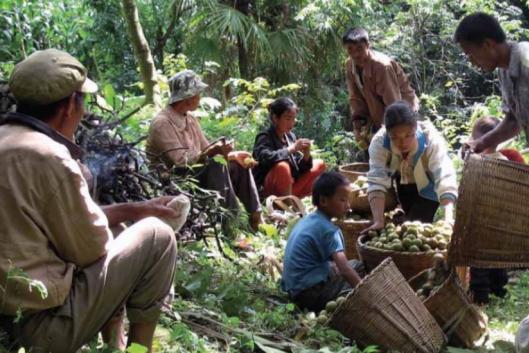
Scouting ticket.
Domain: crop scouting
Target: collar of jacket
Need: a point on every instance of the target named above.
(421, 144)
(38, 125)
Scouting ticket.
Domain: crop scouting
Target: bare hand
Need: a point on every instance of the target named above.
(156, 207)
(221, 148)
(472, 146)
(301, 144)
(243, 158)
(375, 226)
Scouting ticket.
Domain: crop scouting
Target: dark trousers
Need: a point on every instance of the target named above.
(484, 281)
(231, 182)
(316, 297)
(415, 207)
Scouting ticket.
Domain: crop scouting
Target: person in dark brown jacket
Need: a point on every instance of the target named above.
(374, 81)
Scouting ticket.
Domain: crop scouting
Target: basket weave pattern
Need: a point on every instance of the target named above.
(460, 320)
(383, 310)
(409, 263)
(351, 230)
(492, 223)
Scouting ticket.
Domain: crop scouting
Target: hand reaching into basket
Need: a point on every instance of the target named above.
(377, 225)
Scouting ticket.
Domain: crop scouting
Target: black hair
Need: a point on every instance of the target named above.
(326, 186)
(279, 106)
(355, 35)
(477, 27)
(47, 111)
(484, 125)
(399, 113)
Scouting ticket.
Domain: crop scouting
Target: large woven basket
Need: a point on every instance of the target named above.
(462, 322)
(409, 263)
(359, 202)
(492, 223)
(383, 310)
(354, 170)
(351, 230)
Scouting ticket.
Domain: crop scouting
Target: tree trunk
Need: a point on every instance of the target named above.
(142, 53)
(244, 64)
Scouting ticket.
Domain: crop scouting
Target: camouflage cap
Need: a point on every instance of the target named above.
(185, 84)
(47, 76)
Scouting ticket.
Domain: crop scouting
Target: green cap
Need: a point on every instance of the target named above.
(47, 76)
(185, 84)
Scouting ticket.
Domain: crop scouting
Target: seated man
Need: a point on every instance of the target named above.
(176, 138)
(316, 269)
(374, 81)
(52, 230)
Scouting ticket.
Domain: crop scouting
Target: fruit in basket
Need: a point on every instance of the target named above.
(359, 183)
(331, 306)
(411, 237)
(322, 319)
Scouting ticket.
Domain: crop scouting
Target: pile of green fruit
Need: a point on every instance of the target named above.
(359, 183)
(412, 237)
(436, 277)
(324, 315)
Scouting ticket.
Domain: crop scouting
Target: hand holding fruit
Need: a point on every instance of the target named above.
(300, 145)
(243, 158)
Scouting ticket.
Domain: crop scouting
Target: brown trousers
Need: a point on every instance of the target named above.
(136, 273)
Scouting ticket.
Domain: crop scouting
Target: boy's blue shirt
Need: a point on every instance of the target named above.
(311, 244)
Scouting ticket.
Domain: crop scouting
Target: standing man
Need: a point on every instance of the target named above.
(485, 45)
(52, 230)
(374, 81)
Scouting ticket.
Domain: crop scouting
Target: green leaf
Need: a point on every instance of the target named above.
(137, 348)
(220, 159)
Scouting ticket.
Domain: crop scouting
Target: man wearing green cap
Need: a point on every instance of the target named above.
(52, 230)
(175, 137)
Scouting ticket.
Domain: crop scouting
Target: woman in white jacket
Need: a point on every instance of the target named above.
(413, 157)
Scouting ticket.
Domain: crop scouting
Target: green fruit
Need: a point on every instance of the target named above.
(322, 319)
(426, 247)
(323, 312)
(410, 236)
(442, 245)
(340, 300)
(414, 248)
(379, 244)
(396, 247)
(331, 306)
(372, 233)
(383, 239)
(393, 236)
(375, 239)
(407, 242)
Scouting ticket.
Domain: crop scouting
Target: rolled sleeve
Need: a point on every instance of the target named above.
(441, 166)
(378, 176)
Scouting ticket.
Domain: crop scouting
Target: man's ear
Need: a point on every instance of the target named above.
(324, 200)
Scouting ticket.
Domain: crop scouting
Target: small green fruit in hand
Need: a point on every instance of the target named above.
(340, 300)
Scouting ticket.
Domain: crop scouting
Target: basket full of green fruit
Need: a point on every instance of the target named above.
(411, 245)
(359, 201)
(354, 170)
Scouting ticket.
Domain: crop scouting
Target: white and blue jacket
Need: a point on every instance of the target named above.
(433, 169)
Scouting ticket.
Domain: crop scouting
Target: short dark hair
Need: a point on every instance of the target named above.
(399, 113)
(477, 27)
(484, 125)
(326, 186)
(355, 35)
(279, 106)
(46, 112)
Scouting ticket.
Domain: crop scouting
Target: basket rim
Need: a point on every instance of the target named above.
(361, 245)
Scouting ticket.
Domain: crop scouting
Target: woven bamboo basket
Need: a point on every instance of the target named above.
(351, 230)
(492, 223)
(383, 310)
(462, 322)
(409, 263)
(359, 202)
(354, 170)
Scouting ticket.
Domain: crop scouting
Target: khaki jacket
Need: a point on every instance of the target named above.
(176, 138)
(49, 225)
(383, 82)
